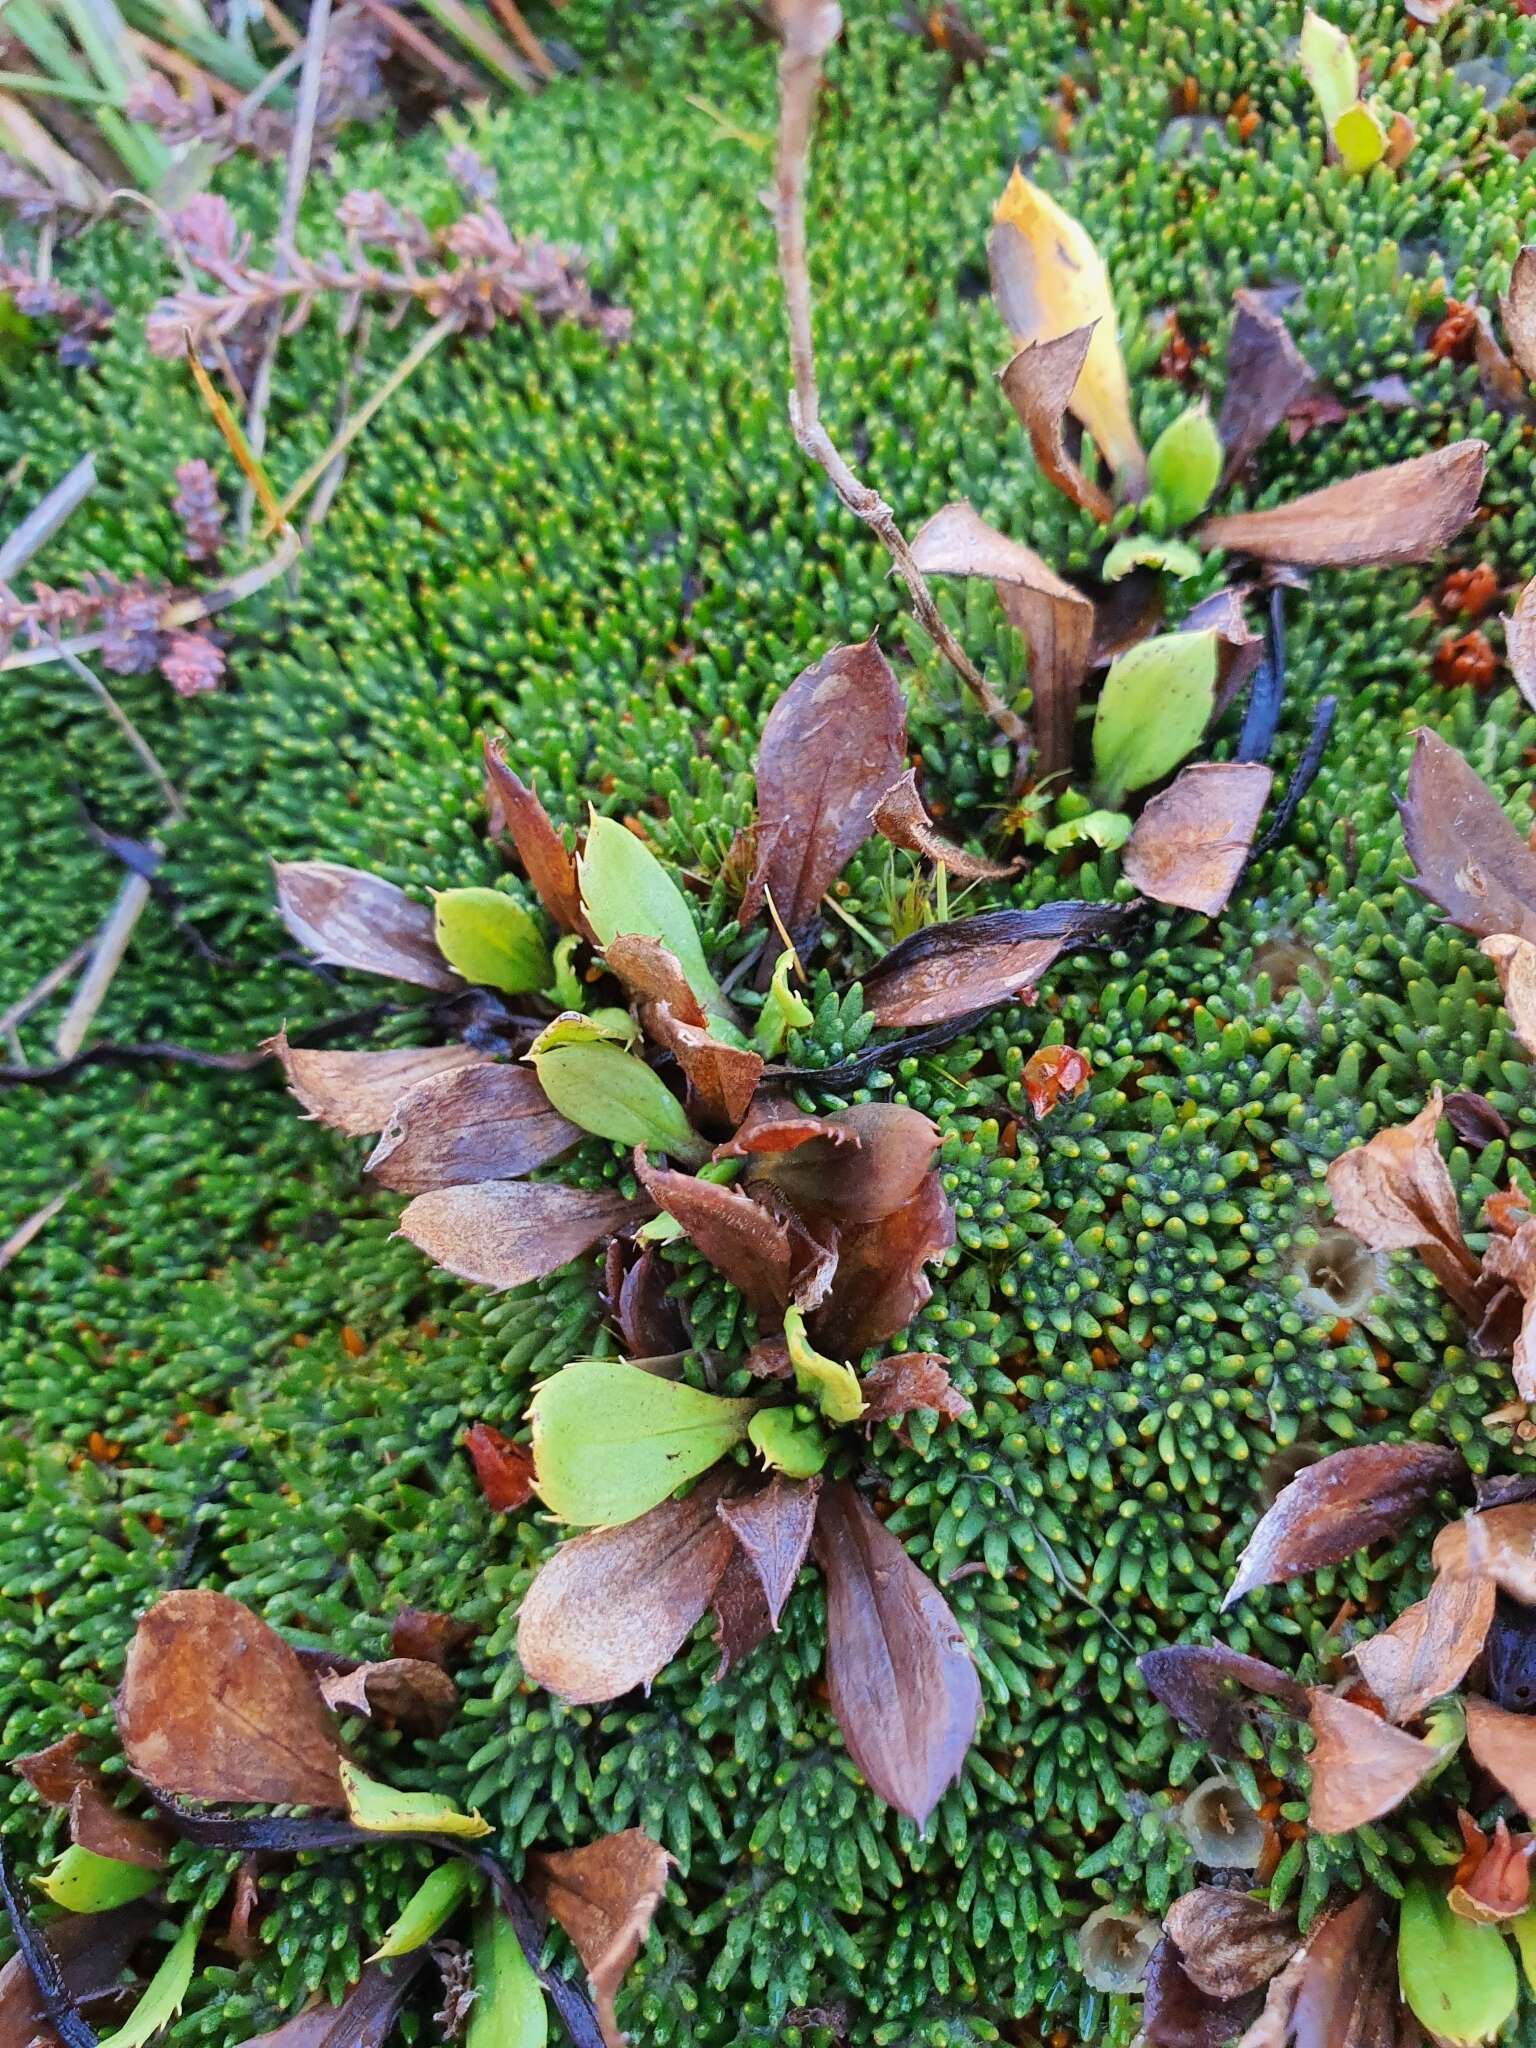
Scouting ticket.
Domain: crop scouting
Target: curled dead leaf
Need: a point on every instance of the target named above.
(503, 1468)
(742, 1239)
(1362, 1767)
(1340, 1989)
(1431, 1646)
(1192, 841)
(880, 1282)
(1510, 1262)
(968, 964)
(355, 1091)
(398, 1692)
(1265, 376)
(913, 1379)
(1468, 857)
(1404, 513)
(1230, 1944)
(1493, 1879)
(1038, 383)
(1204, 1687)
(502, 1233)
(61, 1778)
(772, 1528)
(476, 1123)
(1396, 1194)
(605, 1896)
(349, 918)
(901, 818)
(855, 1167)
(722, 1079)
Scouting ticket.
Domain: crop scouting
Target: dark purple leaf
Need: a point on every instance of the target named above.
(1266, 374)
(480, 1123)
(504, 1232)
(352, 919)
(1204, 1687)
(738, 1236)
(880, 1284)
(1467, 856)
(772, 1528)
(1176, 2013)
(741, 1613)
(650, 1325)
(968, 964)
(1474, 1119)
(1511, 1652)
(855, 1167)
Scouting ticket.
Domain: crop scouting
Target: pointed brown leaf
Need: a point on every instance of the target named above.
(1498, 1543)
(913, 1379)
(215, 1706)
(1055, 620)
(1396, 1194)
(832, 745)
(355, 1091)
(1203, 1686)
(363, 2019)
(1520, 642)
(1404, 513)
(1430, 1647)
(742, 1621)
(773, 1529)
(1361, 1766)
(435, 1638)
(902, 1682)
(1339, 1505)
(879, 1284)
(864, 1163)
(1191, 842)
(1505, 1745)
(1515, 961)
(1468, 857)
(1340, 1989)
(610, 1609)
(503, 1232)
(479, 1123)
(1229, 1943)
(503, 1468)
(1239, 650)
(945, 971)
(60, 1777)
(1038, 383)
(900, 817)
(398, 1692)
(722, 1079)
(551, 870)
(1511, 1261)
(1518, 307)
(352, 919)
(1266, 374)
(636, 1290)
(738, 1236)
(1176, 2013)
(653, 974)
(776, 1125)
(605, 1896)
(1472, 1116)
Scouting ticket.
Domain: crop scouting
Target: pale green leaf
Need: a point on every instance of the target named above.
(611, 1441)
(83, 1882)
(384, 1811)
(1104, 829)
(615, 1095)
(783, 1010)
(1457, 1976)
(438, 1896)
(1359, 137)
(1140, 551)
(583, 1027)
(834, 1388)
(1524, 1931)
(509, 2009)
(788, 1443)
(1184, 465)
(565, 986)
(1332, 69)
(163, 1994)
(625, 888)
(491, 940)
(1156, 702)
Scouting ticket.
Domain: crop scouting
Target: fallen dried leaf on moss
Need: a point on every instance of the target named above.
(1361, 1766)
(348, 918)
(1468, 857)
(355, 1091)
(1038, 383)
(1265, 376)
(502, 1233)
(900, 817)
(398, 1692)
(1515, 961)
(474, 1124)
(605, 1896)
(1403, 513)
(1396, 1194)
(1192, 840)
(1203, 1686)
(945, 971)
(1430, 1647)
(1229, 1943)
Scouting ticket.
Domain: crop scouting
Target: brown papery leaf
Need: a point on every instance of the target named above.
(913, 1379)
(1515, 961)
(1468, 857)
(880, 1284)
(1492, 1882)
(355, 1091)
(773, 1529)
(1055, 620)
(1404, 513)
(653, 974)
(1474, 1119)
(831, 747)
(398, 1692)
(479, 1123)
(945, 971)
(551, 870)
(722, 1079)
(59, 1777)
(902, 1682)
(352, 919)
(504, 1232)
(1229, 1943)
(214, 1705)
(1518, 306)
(1512, 1261)
(1176, 2013)
(1505, 1745)
(1339, 1505)
(1520, 642)
(650, 1325)
(738, 1236)
(362, 2020)
(90, 1950)
(742, 1620)
(1266, 374)
(436, 1638)
(1361, 1766)
(503, 1468)
(610, 1609)
(605, 1897)
(900, 817)
(1430, 1647)
(1396, 1194)
(1239, 650)
(1340, 1989)
(1191, 842)
(864, 1163)
(1497, 1543)
(1038, 383)
(1203, 1686)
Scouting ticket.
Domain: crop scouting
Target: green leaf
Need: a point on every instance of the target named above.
(1154, 707)
(163, 1993)
(1457, 1976)
(1184, 464)
(789, 1442)
(1332, 69)
(1524, 1931)
(625, 888)
(384, 1811)
(1141, 551)
(583, 1027)
(509, 2009)
(435, 1899)
(491, 941)
(834, 1388)
(614, 1095)
(783, 1010)
(83, 1882)
(1359, 137)
(611, 1441)
(565, 986)
(1105, 829)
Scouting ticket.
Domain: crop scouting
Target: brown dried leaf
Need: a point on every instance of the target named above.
(241, 1937)
(1498, 1543)
(742, 1620)
(478, 1123)
(1340, 1990)
(1203, 1685)
(503, 1468)
(738, 1236)
(1239, 650)
(913, 1379)
(502, 1233)
(1512, 1262)
(1339, 1505)
(1395, 1193)
(945, 971)
(1502, 384)
(1176, 2013)
(351, 919)
(722, 1079)
(1266, 374)
(1473, 1117)
(214, 1705)
(1404, 513)
(832, 745)
(772, 1528)
(1520, 642)
(902, 1683)
(1518, 306)
(605, 1897)
(59, 1777)
(611, 1608)
(879, 1284)
(1229, 1944)
(90, 1950)
(363, 2019)
(1055, 620)
(653, 974)
(1361, 1766)
(1469, 859)
(398, 1692)
(1038, 383)
(1492, 1882)
(355, 1091)
(1505, 1745)
(436, 1638)
(1430, 1647)
(900, 817)
(1190, 844)
(1515, 961)
(864, 1163)
(650, 1325)
(551, 870)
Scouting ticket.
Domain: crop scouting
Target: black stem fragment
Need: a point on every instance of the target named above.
(569, 2000)
(1306, 774)
(64, 2015)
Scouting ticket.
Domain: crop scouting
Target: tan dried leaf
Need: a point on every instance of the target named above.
(1467, 856)
(1190, 843)
(605, 1896)
(1505, 1745)
(504, 1232)
(1229, 1943)
(399, 1692)
(900, 817)
(476, 1123)
(1038, 383)
(1498, 1543)
(349, 918)
(1395, 1193)
(1515, 961)
(355, 1091)
(1404, 513)
(1361, 1766)
(1518, 307)
(1511, 1262)
(1430, 1647)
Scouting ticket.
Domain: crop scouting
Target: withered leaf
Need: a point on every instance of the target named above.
(551, 870)
(1505, 1745)
(945, 971)
(1497, 1543)
(1472, 1116)
(1467, 856)
(901, 817)
(479, 1123)
(1512, 1261)
(1520, 640)
(1430, 1647)
(1239, 650)
(1340, 1989)
(88, 1951)
(831, 746)
(1493, 1880)
(611, 1608)
(1403, 513)
(1176, 2013)
(738, 1236)
(355, 1091)
(773, 1529)
(503, 1232)
(1361, 1766)
(60, 1777)
(1339, 1505)
(902, 1683)
(1038, 383)
(364, 2017)
(352, 919)
(722, 1079)
(503, 1468)
(398, 1692)
(862, 1164)
(1229, 1944)
(1190, 844)
(636, 1290)
(1515, 962)
(1055, 620)
(241, 1937)
(1202, 1686)
(1518, 307)
(913, 1379)
(605, 1896)
(1266, 374)
(653, 974)
(436, 1638)
(742, 1620)
(879, 1284)
(214, 1705)
(1396, 1194)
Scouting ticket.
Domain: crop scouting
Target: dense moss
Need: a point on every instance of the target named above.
(219, 1365)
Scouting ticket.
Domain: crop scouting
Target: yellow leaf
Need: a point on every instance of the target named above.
(1359, 138)
(1048, 279)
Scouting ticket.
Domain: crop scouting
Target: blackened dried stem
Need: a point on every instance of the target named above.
(66, 2018)
(810, 27)
(1306, 774)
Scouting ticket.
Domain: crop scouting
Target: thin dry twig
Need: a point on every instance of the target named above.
(106, 958)
(33, 1226)
(17, 1013)
(810, 27)
(46, 517)
(511, 18)
(125, 726)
